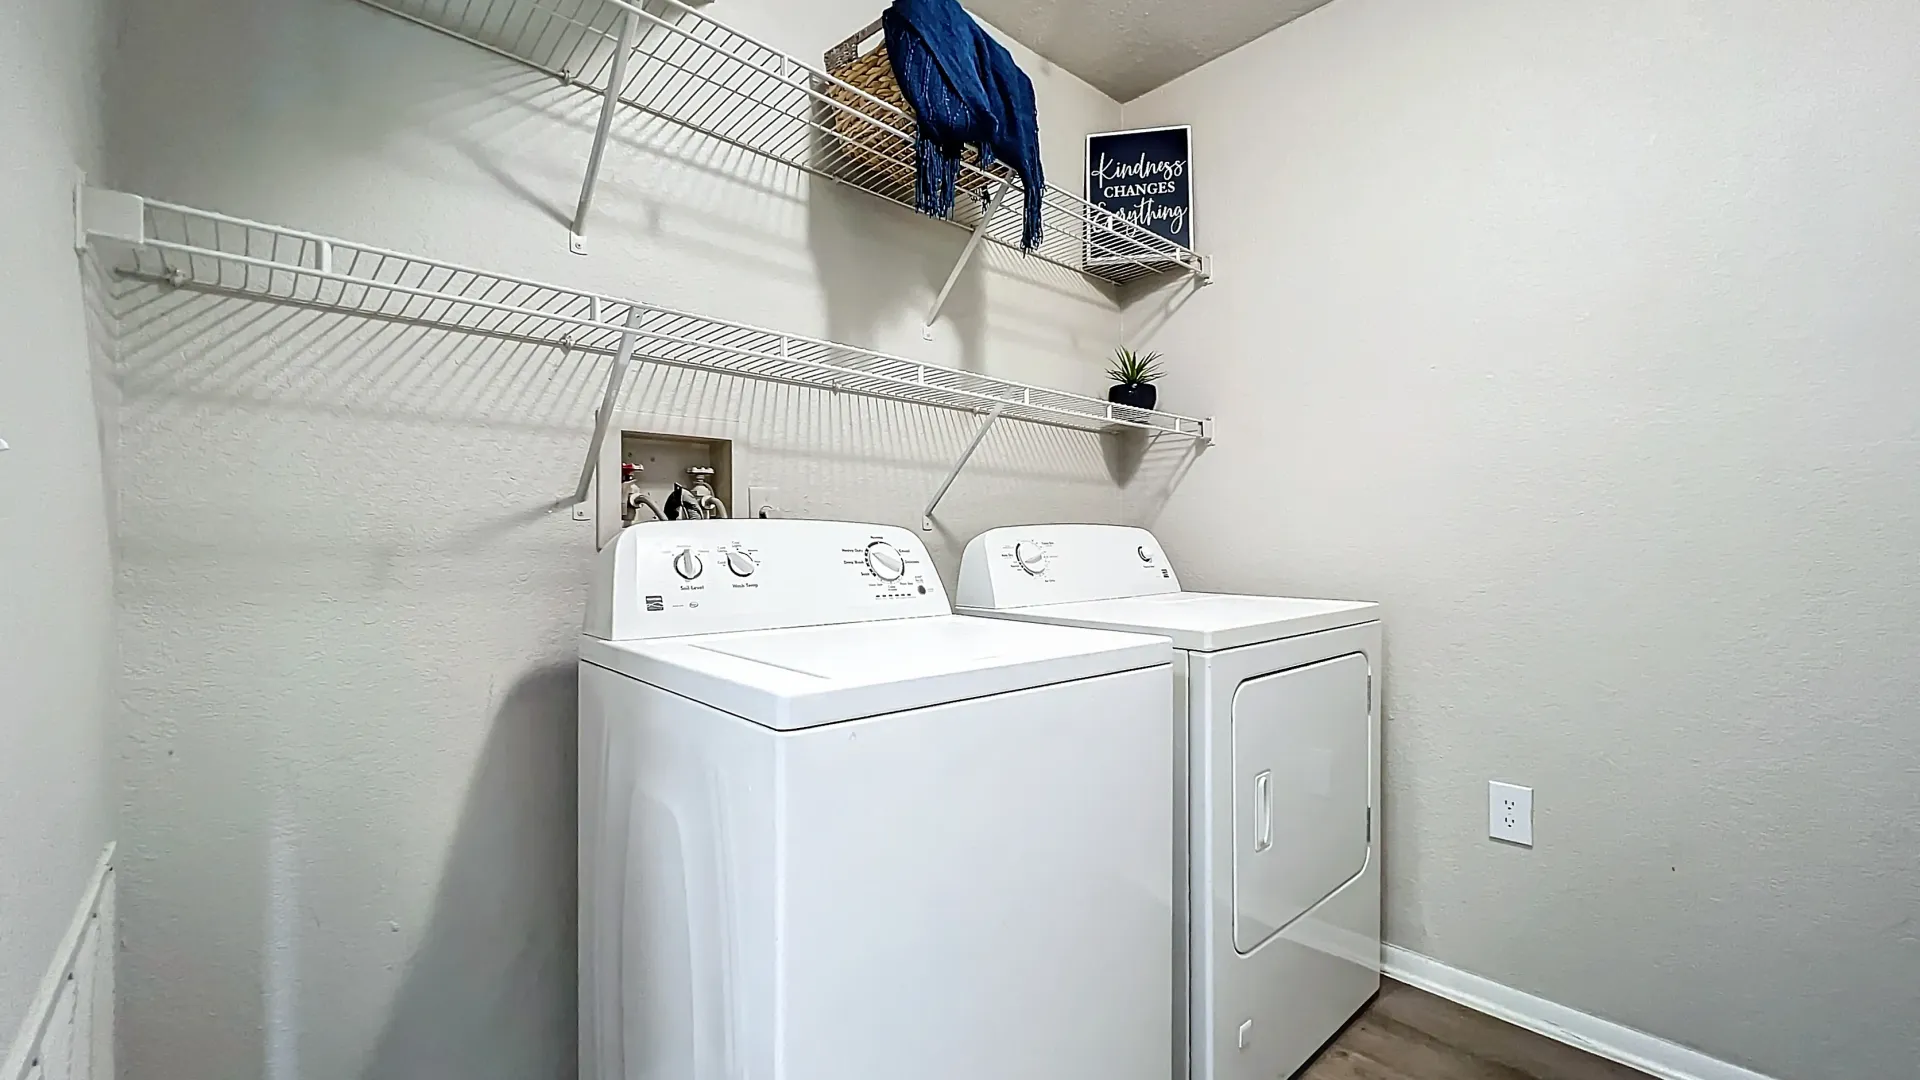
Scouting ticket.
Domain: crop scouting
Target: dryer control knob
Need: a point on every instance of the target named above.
(885, 561)
(1145, 555)
(741, 563)
(687, 564)
(1031, 556)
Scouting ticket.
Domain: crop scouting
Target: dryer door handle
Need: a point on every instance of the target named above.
(1263, 811)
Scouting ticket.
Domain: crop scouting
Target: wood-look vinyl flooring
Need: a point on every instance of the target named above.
(1408, 1034)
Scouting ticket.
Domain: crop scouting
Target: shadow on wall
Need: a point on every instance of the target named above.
(1154, 303)
(348, 851)
(880, 267)
(875, 275)
(1148, 470)
(492, 984)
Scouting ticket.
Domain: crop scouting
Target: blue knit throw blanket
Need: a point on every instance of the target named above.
(964, 88)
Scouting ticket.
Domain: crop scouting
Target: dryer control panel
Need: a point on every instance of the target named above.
(1027, 565)
(665, 579)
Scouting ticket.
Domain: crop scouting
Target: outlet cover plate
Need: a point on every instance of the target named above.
(1510, 813)
(764, 502)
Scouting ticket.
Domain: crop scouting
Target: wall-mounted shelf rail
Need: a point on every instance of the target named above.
(190, 248)
(665, 59)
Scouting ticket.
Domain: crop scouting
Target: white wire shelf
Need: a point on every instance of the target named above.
(199, 249)
(695, 71)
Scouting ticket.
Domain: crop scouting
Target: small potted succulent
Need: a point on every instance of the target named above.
(1133, 375)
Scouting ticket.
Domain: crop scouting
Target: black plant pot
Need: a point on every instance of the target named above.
(1140, 395)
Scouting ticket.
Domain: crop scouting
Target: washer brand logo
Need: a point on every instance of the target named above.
(656, 603)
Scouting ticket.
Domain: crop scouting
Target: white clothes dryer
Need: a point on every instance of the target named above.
(830, 830)
(1277, 928)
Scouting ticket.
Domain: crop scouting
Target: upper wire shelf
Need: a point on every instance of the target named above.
(694, 71)
(186, 247)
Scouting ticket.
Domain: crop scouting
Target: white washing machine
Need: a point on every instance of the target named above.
(1277, 933)
(830, 830)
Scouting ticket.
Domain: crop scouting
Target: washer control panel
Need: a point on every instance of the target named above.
(1027, 565)
(667, 579)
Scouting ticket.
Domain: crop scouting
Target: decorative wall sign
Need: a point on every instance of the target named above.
(1145, 176)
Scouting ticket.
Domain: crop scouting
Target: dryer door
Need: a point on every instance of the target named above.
(1299, 792)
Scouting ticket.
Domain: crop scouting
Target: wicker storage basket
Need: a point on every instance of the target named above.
(868, 154)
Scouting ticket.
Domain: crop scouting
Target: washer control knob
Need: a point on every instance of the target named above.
(687, 564)
(740, 563)
(1031, 556)
(1145, 555)
(885, 561)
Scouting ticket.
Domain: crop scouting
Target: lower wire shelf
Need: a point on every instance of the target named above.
(200, 249)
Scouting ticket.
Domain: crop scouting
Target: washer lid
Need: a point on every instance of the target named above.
(804, 677)
(1201, 622)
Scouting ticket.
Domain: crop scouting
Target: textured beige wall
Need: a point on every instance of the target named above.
(350, 590)
(55, 566)
(1582, 336)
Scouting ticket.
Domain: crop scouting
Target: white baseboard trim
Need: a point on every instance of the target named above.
(64, 1035)
(1616, 1042)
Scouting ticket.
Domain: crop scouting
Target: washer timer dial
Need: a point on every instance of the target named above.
(885, 561)
(1030, 556)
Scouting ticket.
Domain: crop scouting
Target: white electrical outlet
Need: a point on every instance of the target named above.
(1510, 813)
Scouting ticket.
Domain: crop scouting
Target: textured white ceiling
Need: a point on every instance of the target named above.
(1128, 47)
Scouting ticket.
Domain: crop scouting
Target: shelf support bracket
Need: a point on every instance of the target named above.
(104, 214)
(979, 436)
(616, 78)
(616, 378)
(966, 255)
